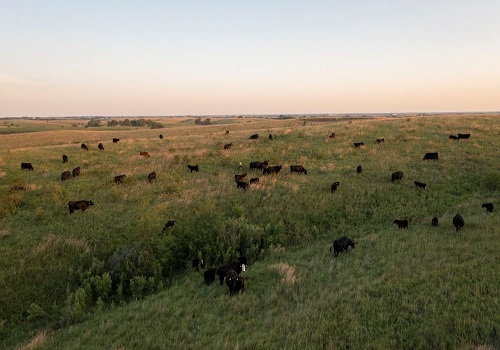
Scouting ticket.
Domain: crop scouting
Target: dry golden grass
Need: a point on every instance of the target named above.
(287, 271)
(37, 341)
(52, 241)
(4, 233)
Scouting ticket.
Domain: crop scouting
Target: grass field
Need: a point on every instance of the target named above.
(110, 278)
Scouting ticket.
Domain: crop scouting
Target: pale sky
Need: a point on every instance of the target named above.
(133, 58)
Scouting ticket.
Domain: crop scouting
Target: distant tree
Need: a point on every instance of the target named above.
(112, 123)
(93, 123)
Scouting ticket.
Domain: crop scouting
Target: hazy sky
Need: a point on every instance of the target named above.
(110, 57)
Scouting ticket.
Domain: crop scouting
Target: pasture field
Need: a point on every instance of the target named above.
(110, 278)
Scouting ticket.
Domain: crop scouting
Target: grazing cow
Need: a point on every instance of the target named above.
(152, 176)
(100, 146)
(458, 222)
(115, 140)
(27, 166)
(398, 175)
(488, 206)
(434, 222)
(254, 180)
(420, 184)
(193, 168)
(259, 165)
(341, 245)
(235, 283)
(271, 170)
(241, 184)
(254, 137)
(209, 276)
(380, 140)
(359, 169)
(65, 158)
(431, 156)
(228, 145)
(169, 224)
(235, 265)
(145, 154)
(84, 147)
(161, 137)
(463, 136)
(76, 171)
(334, 186)
(298, 169)
(239, 177)
(65, 175)
(332, 135)
(79, 205)
(359, 144)
(453, 137)
(119, 178)
(270, 137)
(401, 223)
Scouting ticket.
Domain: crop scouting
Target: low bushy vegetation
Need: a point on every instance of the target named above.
(114, 268)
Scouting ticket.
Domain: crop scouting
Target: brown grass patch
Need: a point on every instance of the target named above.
(38, 340)
(4, 233)
(52, 241)
(287, 271)
(2, 173)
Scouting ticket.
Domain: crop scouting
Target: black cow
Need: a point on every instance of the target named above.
(434, 222)
(119, 178)
(65, 158)
(235, 282)
(209, 276)
(359, 144)
(84, 147)
(235, 265)
(228, 145)
(398, 175)
(115, 140)
(254, 180)
(169, 224)
(100, 146)
(242, 260)
(65, 175)
(79, 205)
(152, 176)
(270, 136)
(271, 170)
(458, 222)
(420, 184)
(196, 263)
(239, 177)
(359, 169)
(254, 137)
(76, 171)
(401, 223)
(488, 206)
(259, 165)
(334, 186)
(27, 166)
(453, 137)
(161, 137)
(298, 169)
(193, 168)
(241, 184)
(431, 156)
(463, 136)
(332, 135)
(380, 140)
(341, 245)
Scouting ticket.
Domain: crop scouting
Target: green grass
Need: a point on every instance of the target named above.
(421, 288)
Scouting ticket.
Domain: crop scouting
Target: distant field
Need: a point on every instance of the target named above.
(110, 278)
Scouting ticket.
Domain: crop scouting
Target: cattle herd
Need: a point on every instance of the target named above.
(230, 273)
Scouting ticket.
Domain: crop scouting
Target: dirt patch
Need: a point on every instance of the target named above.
(287, 271)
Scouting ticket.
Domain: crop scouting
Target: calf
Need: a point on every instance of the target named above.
(463, 136)
(401, 223)
(239, 177)
(79, 205)
(271, 137)
(297, 169)
(453, 137)
(228, 145)
(209, 276)
(152, 176)
(65, 175)
(380, 140)
(100, 146)
(254, 180)
(334, 186)
(76, 171)
(65, 158)
(254, 137)
(332, 135)
(488, 206)
(420, 184)
(271, 170)
(431, 156)
(241, 184)
(458, 222)
(359, 169)
(434, 222)
(235, 282)
(168, 225)
(398, 175)
(193, 168)
(27, 166)
(145, 154)
(341, 245)
(84, 147)
(161, 137)
(115, 140)
(119, 178)
(223, 270)
(359, 144)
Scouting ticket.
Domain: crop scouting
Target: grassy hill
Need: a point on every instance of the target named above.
(110, 278)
